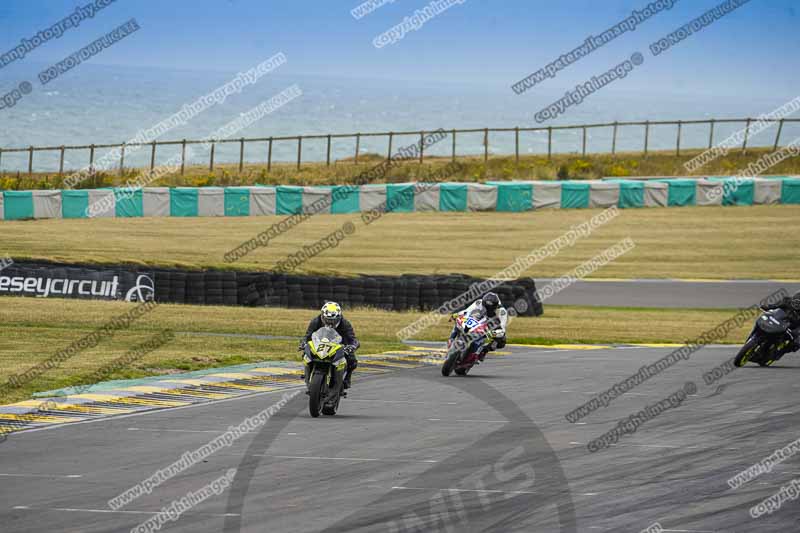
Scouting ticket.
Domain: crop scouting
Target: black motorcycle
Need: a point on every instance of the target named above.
(770, 340)
(325, 368)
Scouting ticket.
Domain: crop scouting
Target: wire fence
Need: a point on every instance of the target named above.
(268, 143)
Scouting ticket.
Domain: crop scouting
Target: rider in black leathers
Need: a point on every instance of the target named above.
(331, 316)
(791, 306)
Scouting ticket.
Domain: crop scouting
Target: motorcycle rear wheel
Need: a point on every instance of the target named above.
(315, 393)
(746, 352)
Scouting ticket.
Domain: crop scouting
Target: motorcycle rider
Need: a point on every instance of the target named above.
(331, 316)
(498, 320)
(791, 306)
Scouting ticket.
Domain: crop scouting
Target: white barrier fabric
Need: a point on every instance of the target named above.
(656, 194)
(46, 204)
(708, 192)
(481, 197)
(155, 201)
(315, 194)
(603, 194)
(546, 195)
(262, 201)
(426, 197)
(211, 202)
(372, 197)
(107, 198)
(767, 191)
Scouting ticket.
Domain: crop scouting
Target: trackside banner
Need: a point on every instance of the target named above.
(44, 281)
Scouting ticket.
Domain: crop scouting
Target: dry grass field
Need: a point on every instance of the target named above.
(755, 242)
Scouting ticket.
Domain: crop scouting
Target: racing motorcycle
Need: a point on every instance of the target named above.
(769, 340)
(324, 356)
(464, 349)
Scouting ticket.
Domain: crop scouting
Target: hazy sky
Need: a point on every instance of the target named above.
(750, 52)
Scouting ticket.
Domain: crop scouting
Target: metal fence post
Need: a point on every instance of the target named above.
(211, 156)
(328, 155)
(485, 145)
(299, 150)
(778, 135)
(516, 144)
(122, 160)
(91, 159)
(269, 156)
(549, 142)
(421, 146)
(183, 156)
(614, 140)
(454, 146)
(646, 135)
(389, 154)
(678, 142)
(30, 162)
(241, 154)
(1, 161)
(61, 163)
(358, 146)
(746, 134)
(583, 149)
(153, 157)
(711, 135)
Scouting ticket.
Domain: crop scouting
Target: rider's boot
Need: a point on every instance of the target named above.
(346, 383)
(482, 355)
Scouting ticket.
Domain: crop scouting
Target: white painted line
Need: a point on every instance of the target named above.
(782, 412)
(467, 420)
(217, 431)
(752, 412)
(669, 446)
(107, 511)
(691, 530)
(402, 401)
(361, 459)
(68, 476)
(467, 490)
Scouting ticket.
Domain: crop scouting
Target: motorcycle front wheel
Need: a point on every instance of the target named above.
(315, 384)
(746, 352)
(450, 362)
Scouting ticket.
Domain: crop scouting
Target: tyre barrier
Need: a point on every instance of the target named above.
(408, 292)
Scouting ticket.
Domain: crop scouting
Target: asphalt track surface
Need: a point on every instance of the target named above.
(413, 451)
(666, 293)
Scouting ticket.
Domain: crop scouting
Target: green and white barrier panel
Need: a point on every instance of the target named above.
(503, 196)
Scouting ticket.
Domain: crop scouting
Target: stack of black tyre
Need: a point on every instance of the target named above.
(258, 289)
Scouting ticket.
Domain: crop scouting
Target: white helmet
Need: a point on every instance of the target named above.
(331, 314)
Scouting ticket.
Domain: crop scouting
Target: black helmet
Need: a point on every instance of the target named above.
(795, 301)
(491, 302)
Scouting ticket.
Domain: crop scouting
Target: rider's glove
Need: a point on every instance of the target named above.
(302, 346)
(349, 349)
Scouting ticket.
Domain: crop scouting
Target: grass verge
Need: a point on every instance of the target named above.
(687, 242)
(35, 329)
